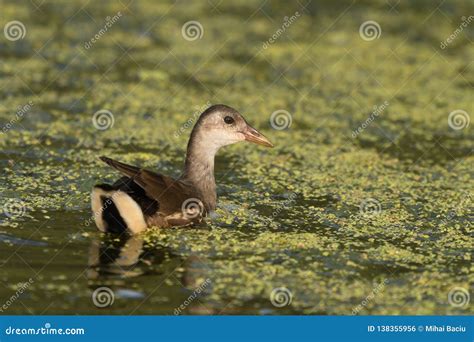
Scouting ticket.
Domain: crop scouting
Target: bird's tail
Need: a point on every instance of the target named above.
(115, 211)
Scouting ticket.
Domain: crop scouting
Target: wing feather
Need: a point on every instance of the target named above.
(170, 193)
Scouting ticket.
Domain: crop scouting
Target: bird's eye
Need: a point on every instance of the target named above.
(229, 120)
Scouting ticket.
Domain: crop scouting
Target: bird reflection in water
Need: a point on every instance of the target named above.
(113, 259)
(122, 257)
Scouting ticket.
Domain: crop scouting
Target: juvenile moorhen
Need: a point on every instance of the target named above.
(143, 198)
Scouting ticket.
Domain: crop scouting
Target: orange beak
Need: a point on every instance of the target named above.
(252, 135)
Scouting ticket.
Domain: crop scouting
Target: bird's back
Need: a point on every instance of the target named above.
(143, 199)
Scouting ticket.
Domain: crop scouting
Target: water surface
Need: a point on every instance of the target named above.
(288, 217)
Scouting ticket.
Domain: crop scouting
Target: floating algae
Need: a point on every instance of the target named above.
(332, 216)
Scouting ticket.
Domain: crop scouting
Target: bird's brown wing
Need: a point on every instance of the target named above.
(170, 193)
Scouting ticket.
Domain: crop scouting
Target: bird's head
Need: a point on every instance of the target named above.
(221, 125)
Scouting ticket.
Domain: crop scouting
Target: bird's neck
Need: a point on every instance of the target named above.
(199, 169)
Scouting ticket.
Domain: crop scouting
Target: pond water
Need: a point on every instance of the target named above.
(351, 213)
